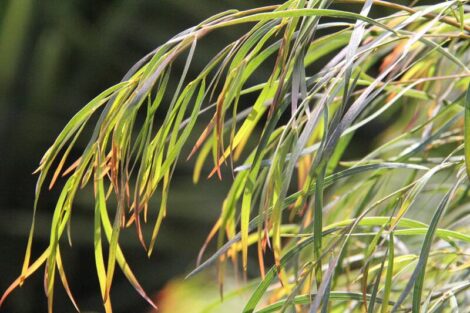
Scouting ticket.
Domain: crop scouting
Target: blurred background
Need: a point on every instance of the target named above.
(55, 56)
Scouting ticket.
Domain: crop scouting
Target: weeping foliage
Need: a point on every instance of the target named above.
(384, 232)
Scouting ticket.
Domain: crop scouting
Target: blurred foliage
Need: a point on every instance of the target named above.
(201, 294)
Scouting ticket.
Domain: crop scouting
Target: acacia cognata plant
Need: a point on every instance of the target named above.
(342, 232)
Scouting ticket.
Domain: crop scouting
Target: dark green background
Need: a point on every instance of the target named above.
(54, 57)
